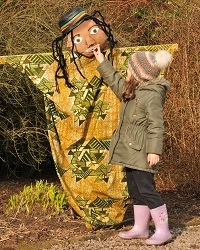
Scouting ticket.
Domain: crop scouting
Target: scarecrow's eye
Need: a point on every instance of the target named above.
(94, 30)
(78, 39)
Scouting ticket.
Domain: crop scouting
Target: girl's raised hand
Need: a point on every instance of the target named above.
(97, 53)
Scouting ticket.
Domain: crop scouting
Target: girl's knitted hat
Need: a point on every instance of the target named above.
(72, 19)
(147, 65)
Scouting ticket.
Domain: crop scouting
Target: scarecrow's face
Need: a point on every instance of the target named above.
(86, 37)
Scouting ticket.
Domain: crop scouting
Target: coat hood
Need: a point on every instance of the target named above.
(155, 84)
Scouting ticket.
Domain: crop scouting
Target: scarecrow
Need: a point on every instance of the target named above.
(95, 190)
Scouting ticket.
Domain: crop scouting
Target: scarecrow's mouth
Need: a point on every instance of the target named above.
(93, 48)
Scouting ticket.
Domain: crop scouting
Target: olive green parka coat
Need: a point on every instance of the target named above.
(141, 126)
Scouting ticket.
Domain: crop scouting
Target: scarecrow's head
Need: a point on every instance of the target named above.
(82, 32)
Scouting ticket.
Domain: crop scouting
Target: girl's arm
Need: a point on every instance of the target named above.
(109, 74)
(155, 129)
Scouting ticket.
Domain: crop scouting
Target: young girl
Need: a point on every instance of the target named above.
(138, 140)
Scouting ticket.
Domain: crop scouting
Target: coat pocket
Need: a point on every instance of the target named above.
(134, 144)
(135, 138)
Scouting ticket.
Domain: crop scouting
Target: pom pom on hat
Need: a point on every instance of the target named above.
(163, 58)
(147, 65)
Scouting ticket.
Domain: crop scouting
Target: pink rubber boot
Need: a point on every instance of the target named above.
(141, 224)
(162, 234)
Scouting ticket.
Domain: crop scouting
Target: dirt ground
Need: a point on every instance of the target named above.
(39, 231)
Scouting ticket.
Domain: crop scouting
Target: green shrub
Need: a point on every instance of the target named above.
(43, 194)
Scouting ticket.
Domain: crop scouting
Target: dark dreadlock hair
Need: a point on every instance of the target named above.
(58, 55)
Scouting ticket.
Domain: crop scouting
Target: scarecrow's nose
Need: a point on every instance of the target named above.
(89, 41)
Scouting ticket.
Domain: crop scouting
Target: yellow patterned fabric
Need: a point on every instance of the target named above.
(80, 125)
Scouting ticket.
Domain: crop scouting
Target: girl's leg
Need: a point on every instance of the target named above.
(146, 186)
(133, 190)
(162, 234)
(141, 212)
